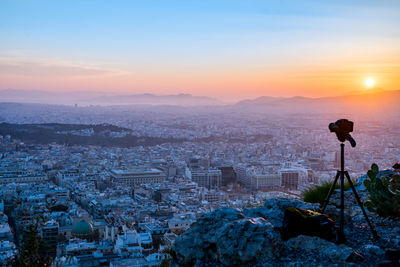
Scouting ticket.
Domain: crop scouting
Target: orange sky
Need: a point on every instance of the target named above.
(336, 77)
(231, 51)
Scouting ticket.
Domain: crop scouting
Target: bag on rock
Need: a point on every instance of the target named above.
(307, 222)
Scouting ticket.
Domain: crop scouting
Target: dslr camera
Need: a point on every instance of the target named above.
(343, 128)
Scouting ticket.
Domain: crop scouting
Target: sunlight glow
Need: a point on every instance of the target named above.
(369, 82)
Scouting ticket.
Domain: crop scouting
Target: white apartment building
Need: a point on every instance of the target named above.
(211, 178)
(136, 176)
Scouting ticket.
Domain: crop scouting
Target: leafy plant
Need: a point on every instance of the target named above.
(318, 193)
(384, 192)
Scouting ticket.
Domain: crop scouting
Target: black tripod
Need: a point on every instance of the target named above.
(342, 173)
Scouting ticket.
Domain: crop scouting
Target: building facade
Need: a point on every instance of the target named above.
(137, 176)
(210, 178)
(18, 176)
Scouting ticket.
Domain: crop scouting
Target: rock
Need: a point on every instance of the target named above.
(274, 209)
(320, 247)
(228, 237)
(283, 203)
(355, 257)
(396, 241)
(334, 213)
(373, 250)
(198, 242)
(271, 215)
(387, 263)
(236, 246)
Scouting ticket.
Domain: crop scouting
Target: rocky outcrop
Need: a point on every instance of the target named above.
(274, 209)
(231, 237)
(320, 247)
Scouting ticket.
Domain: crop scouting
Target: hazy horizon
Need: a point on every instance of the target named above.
(111, 98)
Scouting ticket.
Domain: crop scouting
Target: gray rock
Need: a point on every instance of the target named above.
(199, 242)
(274, 209)
(236, 246)
(320, 247)
(228, 237)
(249, 238)
(374, 250)
(334, 213)
(283, 203)
(273, 216)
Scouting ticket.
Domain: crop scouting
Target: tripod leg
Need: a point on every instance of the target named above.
(330, 192)
(342, 238)
(374, 233)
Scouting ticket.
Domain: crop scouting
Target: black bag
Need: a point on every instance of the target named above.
(307, 222)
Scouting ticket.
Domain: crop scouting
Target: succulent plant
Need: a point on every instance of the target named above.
(384, 192)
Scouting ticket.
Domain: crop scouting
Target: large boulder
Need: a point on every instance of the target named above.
(228, 237)
(274, 209)
(321, 247)
(198, 242)
(247, 240)
(283, 203)
(233, 238)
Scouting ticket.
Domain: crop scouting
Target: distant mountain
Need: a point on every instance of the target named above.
(259, 100)
(98, 98)
(385, 102)
(388, 101)
(150, 99)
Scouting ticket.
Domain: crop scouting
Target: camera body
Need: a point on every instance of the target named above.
(343, 128)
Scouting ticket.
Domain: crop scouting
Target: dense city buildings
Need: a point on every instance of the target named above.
(22, 176)
(124, 205)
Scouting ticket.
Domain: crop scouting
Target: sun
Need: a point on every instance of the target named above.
(369, 82)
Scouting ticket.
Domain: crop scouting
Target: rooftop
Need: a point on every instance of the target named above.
(137, 171)
(82, 228)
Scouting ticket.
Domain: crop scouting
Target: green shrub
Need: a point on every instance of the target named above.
(384, 193)
(318, 193)
(171, 252)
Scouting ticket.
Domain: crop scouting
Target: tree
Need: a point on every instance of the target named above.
(166, 262)
(33, 250)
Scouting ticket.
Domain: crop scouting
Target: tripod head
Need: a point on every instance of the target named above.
(343, 128)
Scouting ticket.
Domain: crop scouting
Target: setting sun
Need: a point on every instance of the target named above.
(369, 82)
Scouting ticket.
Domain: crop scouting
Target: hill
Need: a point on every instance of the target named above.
(102, 135)
(78, 134)
(386, 102)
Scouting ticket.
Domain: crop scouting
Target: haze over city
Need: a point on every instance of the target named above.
(199, 133)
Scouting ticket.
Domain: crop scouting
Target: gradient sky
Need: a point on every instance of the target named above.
(226, 49)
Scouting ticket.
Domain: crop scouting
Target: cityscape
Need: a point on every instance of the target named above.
(94, 204)
(199, 133)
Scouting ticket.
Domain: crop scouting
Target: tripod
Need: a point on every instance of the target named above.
(342, 173)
